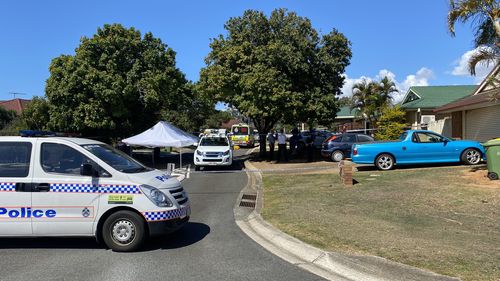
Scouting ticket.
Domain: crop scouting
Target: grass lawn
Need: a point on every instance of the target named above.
(431, 218)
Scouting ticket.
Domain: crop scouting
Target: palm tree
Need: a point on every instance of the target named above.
(362, 97)
(485, 16)
(386, 88)
(370, 97)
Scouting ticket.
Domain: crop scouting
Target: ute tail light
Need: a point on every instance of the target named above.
(355, 151)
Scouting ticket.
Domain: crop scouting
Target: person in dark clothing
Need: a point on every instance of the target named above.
(294, 139)
(310, 145)
(272, 140)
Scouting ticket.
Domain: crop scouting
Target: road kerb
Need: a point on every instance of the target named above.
(329, 265)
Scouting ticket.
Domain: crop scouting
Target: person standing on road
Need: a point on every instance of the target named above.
(310, 145)
(272, 140)
(282, 146)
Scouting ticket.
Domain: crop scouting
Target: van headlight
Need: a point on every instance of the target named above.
(199, 152)
(156, 196)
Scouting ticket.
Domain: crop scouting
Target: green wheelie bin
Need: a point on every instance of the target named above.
(493, 158)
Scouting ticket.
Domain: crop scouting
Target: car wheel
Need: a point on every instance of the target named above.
(196, 168)
(493, 176)
(337, 156)
(124, 231)
(471, 156)
(385, 162)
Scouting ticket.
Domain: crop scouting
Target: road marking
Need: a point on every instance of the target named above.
(188, 171)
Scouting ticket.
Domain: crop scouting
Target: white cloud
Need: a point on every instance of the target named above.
(420, 78)
(461, 67)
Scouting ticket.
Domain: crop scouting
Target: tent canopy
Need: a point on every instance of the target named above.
(163, 134)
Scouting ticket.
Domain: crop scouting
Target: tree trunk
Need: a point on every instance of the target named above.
(263, 145)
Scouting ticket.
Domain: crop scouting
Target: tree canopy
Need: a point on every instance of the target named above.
(485, 16)
(117, 83)
(277, 68)
(6, 116)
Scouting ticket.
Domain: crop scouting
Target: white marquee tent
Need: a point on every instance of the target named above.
(163, 134)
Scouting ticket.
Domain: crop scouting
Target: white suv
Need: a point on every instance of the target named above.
(213, 150)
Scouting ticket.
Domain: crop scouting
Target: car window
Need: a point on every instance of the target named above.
(116, 158)
(364, 138)
(15, 159)
(429, 137)
(62, 159)
(336, 139)
(349, 138)
(403, 136)
(214, 141)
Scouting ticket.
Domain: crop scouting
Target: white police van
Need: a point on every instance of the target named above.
(54, 186)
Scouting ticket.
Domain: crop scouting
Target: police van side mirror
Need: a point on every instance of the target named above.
(87, 170)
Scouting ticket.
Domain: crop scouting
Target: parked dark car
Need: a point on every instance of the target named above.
(338, 147)
(319, 137)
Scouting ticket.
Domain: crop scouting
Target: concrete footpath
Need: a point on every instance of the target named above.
(329, 265)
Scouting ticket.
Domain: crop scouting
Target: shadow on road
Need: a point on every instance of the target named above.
(190, 234)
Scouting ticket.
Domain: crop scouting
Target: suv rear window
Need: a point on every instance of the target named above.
(15, 159)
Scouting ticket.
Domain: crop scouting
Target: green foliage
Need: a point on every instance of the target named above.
(6, 116)
(217, 118)
(485, 18)
(115, 85)
(391, 123)
(36, 115)
(190, 111)
(277, 69)
(372, 96)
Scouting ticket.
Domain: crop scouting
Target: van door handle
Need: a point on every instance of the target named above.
(42, 187)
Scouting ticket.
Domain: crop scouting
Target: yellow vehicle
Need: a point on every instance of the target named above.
(242, 135)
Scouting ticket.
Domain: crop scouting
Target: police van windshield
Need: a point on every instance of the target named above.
(214, 141)
(115, 158)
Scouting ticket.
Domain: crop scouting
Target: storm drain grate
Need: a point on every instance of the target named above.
(249, 197)
(247, 204)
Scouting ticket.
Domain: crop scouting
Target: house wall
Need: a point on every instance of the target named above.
(482, 124)
(456, 125)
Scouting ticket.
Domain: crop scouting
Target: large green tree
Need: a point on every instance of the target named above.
(277, 68)
(36, 114)
(117, 83)
(6, 116)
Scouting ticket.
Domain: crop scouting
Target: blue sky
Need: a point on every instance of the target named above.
(406, 40)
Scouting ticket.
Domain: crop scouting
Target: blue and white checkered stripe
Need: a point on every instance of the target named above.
(7, 186)
(167, 215)
(90, 188)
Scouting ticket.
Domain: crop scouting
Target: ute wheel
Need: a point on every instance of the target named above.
(196, 168)
(124, 231)
(493, 176)
(385, 162)
(471, 156)
(337, 156)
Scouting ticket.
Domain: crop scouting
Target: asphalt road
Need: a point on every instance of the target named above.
(210, 247)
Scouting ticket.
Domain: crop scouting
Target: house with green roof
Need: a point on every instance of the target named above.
(348, 119)
(421, 101)
(477, 116)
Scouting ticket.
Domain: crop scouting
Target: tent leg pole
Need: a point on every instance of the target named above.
(180, 158)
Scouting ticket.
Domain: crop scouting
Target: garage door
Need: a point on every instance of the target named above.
(483, 124)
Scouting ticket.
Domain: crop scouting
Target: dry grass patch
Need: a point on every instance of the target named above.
(429, 218)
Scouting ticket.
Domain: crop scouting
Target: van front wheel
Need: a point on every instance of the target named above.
(124, 231)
